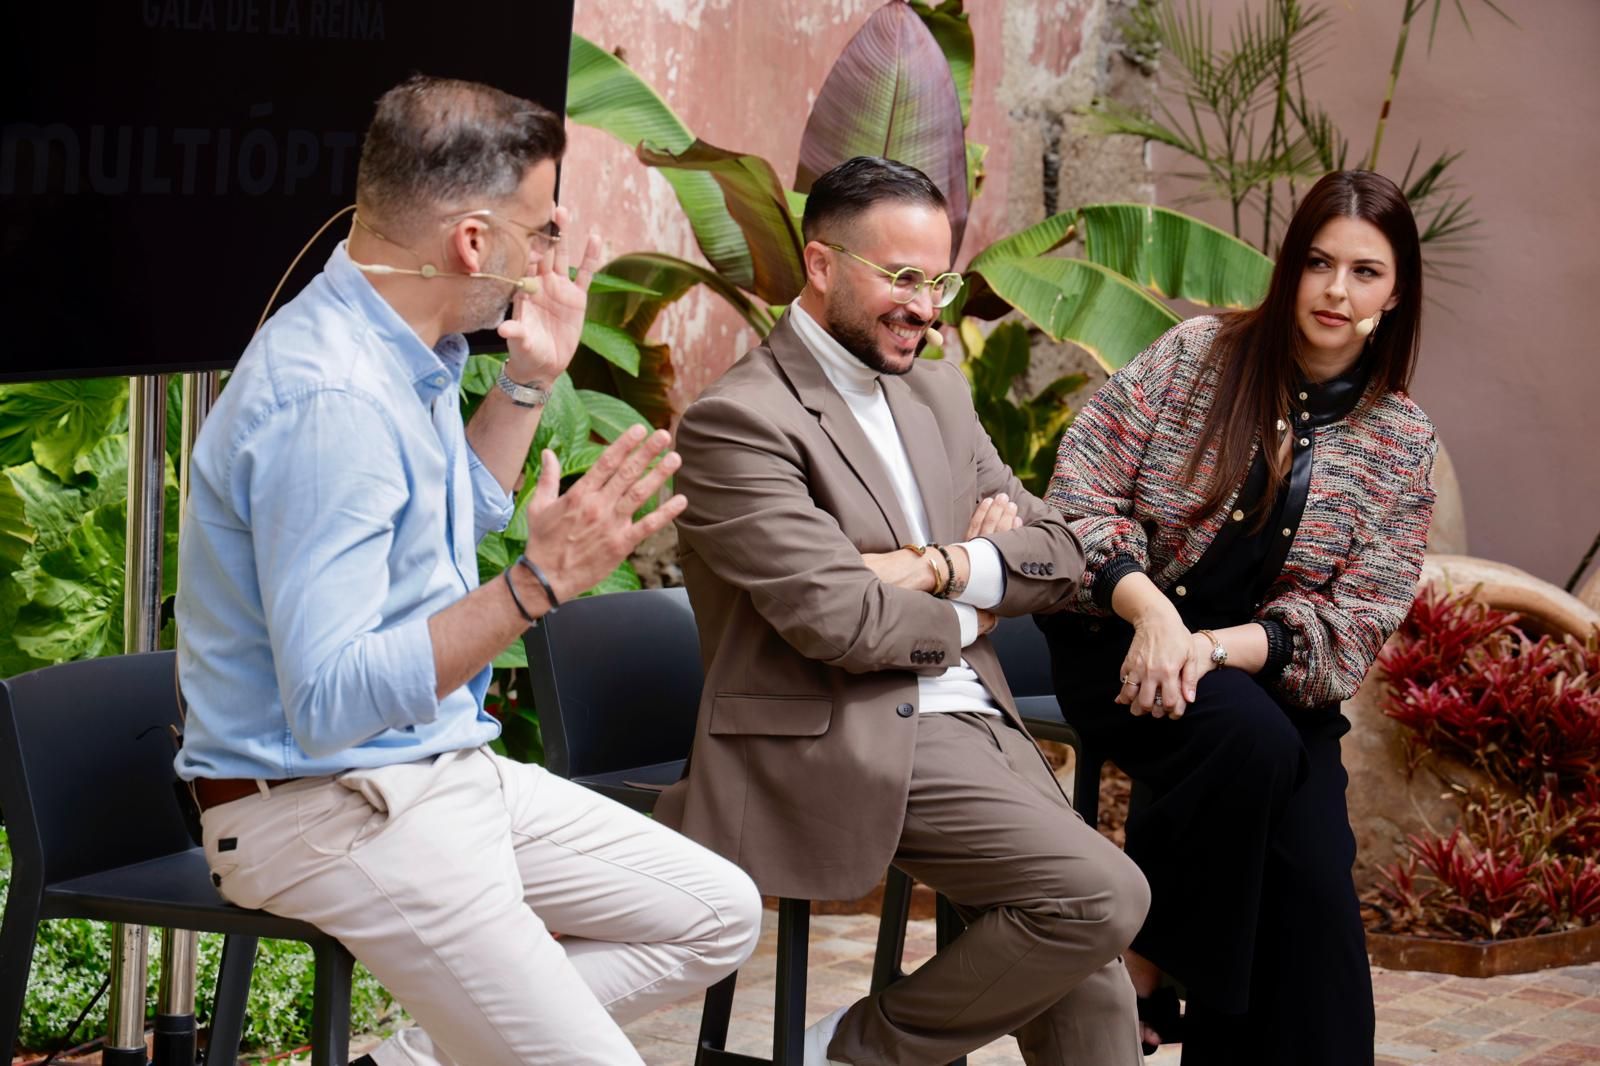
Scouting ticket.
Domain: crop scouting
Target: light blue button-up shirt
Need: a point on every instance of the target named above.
(335, 505)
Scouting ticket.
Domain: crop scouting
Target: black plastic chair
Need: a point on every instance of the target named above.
(1025, 658)
(627, 734)
(87, 786)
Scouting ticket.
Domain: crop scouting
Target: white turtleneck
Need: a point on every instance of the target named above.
(958, 687)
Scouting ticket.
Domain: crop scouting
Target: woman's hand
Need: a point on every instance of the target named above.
(1163, 665)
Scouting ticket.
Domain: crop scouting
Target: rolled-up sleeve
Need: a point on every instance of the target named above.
(491, 503)
(322, 482)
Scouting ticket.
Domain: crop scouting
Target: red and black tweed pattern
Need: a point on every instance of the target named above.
(1353, 564)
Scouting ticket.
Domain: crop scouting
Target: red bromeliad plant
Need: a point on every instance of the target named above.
(1469, 684)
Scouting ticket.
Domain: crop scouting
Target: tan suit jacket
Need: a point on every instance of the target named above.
(803, 750)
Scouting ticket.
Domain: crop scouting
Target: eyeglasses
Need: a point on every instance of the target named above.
(904, 283)
(541, 239)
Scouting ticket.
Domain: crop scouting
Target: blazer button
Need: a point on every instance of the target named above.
(905, 710)
(938, 656)
(916, 656)
(1049, 569)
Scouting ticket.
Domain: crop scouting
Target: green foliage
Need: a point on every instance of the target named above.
(72, 957)
(63, 524)
(1025, 430)
(1241, 112)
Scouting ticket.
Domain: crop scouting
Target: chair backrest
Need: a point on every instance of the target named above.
(86, 769)
(616, 681)
(1024, 656)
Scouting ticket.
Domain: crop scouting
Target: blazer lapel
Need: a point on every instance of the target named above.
(930, 461)
(838, 422)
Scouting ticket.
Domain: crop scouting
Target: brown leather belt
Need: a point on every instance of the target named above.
(212, 792)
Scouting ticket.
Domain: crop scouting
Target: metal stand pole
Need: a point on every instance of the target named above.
(147, 430)
(176, 1033)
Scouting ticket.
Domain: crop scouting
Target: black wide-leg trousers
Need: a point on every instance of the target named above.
(1248, 851)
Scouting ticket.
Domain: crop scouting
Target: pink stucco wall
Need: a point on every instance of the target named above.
(1510, 369)
(742, 74)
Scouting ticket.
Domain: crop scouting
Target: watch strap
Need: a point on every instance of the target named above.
(529, 395)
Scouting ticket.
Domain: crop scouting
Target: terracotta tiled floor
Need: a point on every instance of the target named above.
(1544, 1019)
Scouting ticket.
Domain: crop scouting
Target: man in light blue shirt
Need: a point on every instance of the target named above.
(334, 642)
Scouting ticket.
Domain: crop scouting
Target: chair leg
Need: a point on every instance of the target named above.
(714, 1019)
(330, 1007)
(890, 953)
(789, 1017)
(228, 1005)
(947, 925)
(1086, 786)
(18, 933)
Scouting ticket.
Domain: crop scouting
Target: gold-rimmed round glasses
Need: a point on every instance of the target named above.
(905, 282)
(541, 239)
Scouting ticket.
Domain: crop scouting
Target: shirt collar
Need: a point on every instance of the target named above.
(845, 371)
(1323, 403)
(430, 371)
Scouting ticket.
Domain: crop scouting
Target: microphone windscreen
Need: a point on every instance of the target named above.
(529, 285)
(933, 336)
(1366, 326)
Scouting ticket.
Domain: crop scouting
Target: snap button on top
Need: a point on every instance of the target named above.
(1305, 442)
(1238, 516)
(1288, 532)
(905, 710)
(1180, 590)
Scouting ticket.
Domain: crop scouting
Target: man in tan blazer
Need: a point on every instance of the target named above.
(849, 538)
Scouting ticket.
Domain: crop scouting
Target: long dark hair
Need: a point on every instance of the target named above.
(1255, 353)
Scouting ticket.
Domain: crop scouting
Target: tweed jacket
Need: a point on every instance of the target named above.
(803, 749)
(1350, 571)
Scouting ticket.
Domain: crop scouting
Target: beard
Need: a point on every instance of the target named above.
(856, 332)
(487, 299)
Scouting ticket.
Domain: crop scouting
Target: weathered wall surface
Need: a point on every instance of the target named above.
(743, 73)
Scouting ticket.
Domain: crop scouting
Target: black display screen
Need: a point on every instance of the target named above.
(161, 161)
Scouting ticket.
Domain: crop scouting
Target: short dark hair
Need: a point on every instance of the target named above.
(442, 141)
(857, 184)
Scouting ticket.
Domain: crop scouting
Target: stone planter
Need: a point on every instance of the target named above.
(1484, 958)
(1387, 802)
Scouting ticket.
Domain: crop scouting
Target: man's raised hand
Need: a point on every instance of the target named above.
(578, 537)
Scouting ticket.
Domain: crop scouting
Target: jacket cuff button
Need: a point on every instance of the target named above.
(905, 710)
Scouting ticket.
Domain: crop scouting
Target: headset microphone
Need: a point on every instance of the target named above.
(528, 284)
(1367, 325)
(934, 337)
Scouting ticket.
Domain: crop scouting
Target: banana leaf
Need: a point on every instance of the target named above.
(611, 344)
(657, 280)
(758, 202)
(1174, 255)
(891, 93)
(1072, 299)
(951, 27)
(604, 93)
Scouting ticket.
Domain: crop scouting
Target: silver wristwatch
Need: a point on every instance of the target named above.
(1219, 654)
(522, 395)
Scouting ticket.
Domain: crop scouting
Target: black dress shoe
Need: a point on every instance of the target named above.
(365, 1060)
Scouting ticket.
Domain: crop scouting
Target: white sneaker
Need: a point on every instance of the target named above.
(818, 1037)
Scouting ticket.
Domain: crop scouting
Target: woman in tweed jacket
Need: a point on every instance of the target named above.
(1253, 497)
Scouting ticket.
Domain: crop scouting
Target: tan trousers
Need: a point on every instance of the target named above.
(441, 877)
(1050, 906)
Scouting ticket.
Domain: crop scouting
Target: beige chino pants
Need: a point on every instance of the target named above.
(444, 878)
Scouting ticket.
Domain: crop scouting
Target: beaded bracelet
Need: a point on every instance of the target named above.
(950, 571)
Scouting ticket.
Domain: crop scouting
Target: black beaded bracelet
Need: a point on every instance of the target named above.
(544, 582)
(950, 572)
(512, 588)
